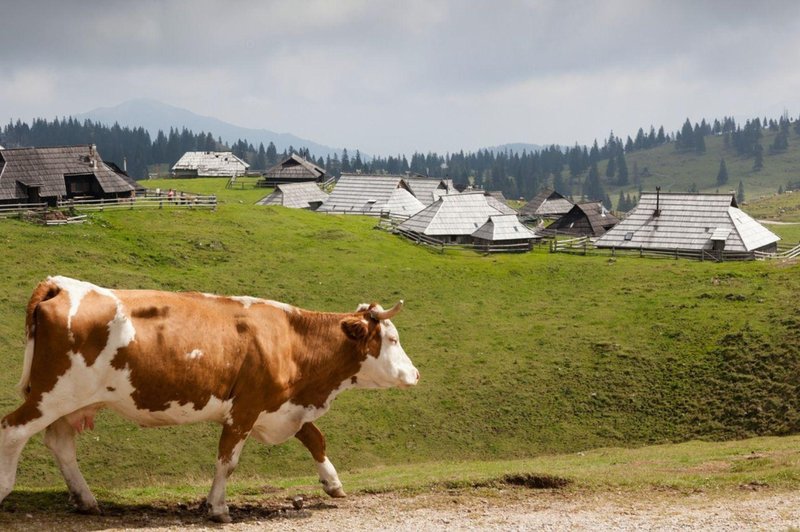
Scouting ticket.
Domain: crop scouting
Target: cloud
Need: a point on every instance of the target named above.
(433, 74)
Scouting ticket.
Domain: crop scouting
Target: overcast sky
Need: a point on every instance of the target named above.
(390, 76)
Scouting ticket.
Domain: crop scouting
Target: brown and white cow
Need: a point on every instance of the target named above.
(259, 368)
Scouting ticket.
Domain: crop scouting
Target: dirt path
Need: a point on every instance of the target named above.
(475, 509)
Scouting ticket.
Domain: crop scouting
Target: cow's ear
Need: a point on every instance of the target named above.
(355, 328)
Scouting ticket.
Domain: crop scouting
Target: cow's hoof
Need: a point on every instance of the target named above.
(221, 518)
(89, 510)
(336, 493)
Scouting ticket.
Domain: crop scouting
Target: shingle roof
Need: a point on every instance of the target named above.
(429, 190)
(368, 194)
(547, 204)
(46, 168)
(294, 168)
(504, 227)
(295, 195)
(498, 201)
(589, 218)
(452, 215)
(211, 163)
(687, 222)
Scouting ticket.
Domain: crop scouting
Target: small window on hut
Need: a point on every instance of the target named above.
(629, 236)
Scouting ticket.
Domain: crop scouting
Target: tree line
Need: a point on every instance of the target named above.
(573, 171)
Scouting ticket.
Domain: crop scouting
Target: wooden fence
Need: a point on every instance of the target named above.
(152, 201)
(442, 247)
(18, 209)
(585, 246)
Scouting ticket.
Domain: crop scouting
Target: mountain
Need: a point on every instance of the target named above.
(154, 115)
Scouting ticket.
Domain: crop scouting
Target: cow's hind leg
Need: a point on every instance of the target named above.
(230, 449)
(15, 430)
(60, 439)
(314, 441)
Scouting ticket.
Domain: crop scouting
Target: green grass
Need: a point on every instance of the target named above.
(521, 356)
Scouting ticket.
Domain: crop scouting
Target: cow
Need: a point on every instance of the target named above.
(257, 367)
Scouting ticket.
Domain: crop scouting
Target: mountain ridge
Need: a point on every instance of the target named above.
(154, 115)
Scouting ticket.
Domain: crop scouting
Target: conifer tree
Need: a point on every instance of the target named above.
(722, 175)
(622, 169)
(758, 162)
(740, 194)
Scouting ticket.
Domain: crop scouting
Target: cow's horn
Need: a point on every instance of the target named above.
(386, 314)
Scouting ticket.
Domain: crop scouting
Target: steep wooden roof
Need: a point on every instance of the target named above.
(452, 215)
(211, 164)
(295, 195)
(547, 204)
(294, 168)
(502, 228)
(688, 222)
(371, 194)
(585, 219)
(46, 168)
(428, 190)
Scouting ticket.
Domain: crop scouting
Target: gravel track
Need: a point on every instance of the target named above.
(464, 509)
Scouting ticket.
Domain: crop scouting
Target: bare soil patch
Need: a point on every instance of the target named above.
(502, 507)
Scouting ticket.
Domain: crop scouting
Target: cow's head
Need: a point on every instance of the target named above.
(385, 365)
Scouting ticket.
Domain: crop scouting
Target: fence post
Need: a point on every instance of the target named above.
(584, 246)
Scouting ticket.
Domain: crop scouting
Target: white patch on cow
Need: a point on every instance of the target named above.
(247, 301)
(81, 385)
(328, 476)
(77, 290)
(391, 367)
(278, 426)
(196, 353)
(289, 309)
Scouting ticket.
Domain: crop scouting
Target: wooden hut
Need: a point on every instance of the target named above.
(293, 169)
(306, 195)
(546, 204)
(34, 175)
(584, 219)
(689, 222)
(428, 190)
(504, 232)
(452, 218)
(372, 195)
(209, 164)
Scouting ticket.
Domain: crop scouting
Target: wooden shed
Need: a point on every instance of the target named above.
(452, 219)
(689, 222)
(372, 195)
(209, 164)
(504, 232)
(293, 169)
(34, 175)
(546, 204)
(585, 219)
(427, 190)
(305, 195)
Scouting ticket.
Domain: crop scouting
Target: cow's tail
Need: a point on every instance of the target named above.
(46, 290)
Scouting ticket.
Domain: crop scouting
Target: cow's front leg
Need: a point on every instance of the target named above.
(230, 448)
(314, 441)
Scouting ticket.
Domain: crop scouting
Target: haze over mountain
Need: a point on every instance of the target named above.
(154, 115)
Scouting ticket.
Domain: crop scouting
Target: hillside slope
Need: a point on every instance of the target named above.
(519, 355)
(679, 171)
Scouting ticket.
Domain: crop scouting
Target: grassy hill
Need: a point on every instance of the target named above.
(519, 355)
(678, 171)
